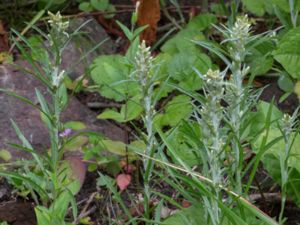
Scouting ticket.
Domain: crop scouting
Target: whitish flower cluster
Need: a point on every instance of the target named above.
(58, 36)
(241, 28)
(58, 32)
(57, 76)
(289, 123)
(57, 23)
(214, 83)
(143, 64)
(211, 118)
(238, 38)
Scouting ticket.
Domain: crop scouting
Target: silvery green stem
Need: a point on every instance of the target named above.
(211, 118)
(238, 37)
(57, 38)
(143, 64)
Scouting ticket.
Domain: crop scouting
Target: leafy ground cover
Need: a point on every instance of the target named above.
(206, 95)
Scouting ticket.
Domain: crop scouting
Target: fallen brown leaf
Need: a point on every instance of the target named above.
(4, 47)
(123, 180)
(149, 14)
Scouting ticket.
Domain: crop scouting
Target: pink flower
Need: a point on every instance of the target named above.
(66, 132)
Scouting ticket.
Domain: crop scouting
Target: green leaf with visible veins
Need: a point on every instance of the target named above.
(177, 109)
(288, 52)
(111, 74)
(129, 111)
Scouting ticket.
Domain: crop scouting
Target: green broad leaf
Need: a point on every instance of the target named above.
(37, 52)
(260, 60)
(181, 42)
(285, 83)
(111, 114)
(111, 74)
(184, 146)
(255, 6)
(5, 155)
(132, 109)
(177, 109)
(271, 161)
(202, 22)
(129, 111)
(189, 216)
(100, 5)
(281, 4)
(116, 147)
(75, 125)
(260, 117)
(181, 68)
(288, 52)
(219, 9)
(85, 7)
(137, 146)
(92, 167)
(76, 143)
(181, 65)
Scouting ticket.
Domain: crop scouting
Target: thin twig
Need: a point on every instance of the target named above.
(84, 212)
(97, 105)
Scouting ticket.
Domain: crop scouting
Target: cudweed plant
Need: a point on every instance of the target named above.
(213, 138)
(224, 167)
(287, 125)
(144, 76)
(237, 95)
(49, 182)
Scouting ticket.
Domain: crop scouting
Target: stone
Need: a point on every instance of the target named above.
(28, 118)
(90, 35)
(17, 213)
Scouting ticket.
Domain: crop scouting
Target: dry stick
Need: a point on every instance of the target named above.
(97, 105)
(91, 198)
(267, 197)
(207, 180)
(84, 212)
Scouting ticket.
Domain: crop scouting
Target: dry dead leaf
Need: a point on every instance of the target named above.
(185, 203)
(123, 180)
(149, 14)
(4, 47)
